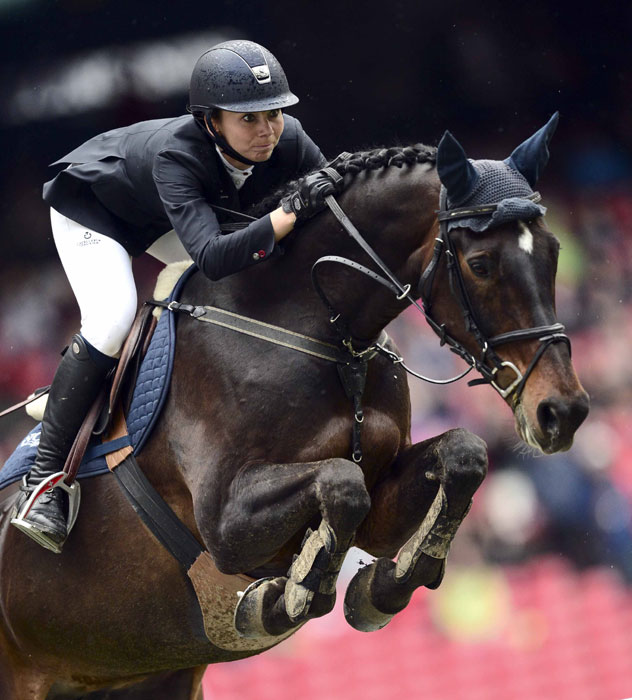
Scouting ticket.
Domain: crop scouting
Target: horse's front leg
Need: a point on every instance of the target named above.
(415, 511)
(268, 508)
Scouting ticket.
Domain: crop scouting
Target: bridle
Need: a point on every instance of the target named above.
(488, 363)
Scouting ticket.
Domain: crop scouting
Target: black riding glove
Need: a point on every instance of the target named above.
(309, 198)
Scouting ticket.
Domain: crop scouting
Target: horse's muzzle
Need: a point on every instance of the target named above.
(558, 419)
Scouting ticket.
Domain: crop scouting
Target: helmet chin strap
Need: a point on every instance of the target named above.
(223, 144)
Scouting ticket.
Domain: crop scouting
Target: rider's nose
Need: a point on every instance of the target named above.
(265, 128)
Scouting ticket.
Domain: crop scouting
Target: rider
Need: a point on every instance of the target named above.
(150, 187)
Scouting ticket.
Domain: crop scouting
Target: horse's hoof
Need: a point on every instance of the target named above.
(259, 596)
(297, 600)
(360, 613)
(314, 569)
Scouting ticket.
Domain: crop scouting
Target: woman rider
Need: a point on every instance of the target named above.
(150, 187)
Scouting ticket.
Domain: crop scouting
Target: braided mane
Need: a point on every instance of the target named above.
(357, 163)
(385, 157)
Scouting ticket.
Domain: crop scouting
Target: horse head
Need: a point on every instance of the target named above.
(487, 270)
(504, 282)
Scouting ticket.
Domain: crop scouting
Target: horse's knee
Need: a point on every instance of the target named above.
(464, 457)
(341, 488)
(225, 558)
(233, 541)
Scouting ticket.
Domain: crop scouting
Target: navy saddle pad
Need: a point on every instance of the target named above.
(148, 399)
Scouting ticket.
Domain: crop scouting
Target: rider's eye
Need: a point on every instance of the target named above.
(248, 117)
(479, 266)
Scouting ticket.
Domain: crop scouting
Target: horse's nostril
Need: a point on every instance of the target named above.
(560, 417)
(549, 418)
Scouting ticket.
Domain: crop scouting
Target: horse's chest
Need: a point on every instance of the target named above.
(300, 412)
(377, 437)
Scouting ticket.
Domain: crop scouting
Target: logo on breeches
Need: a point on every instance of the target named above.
(88, 239)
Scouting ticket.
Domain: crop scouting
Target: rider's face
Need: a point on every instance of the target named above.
(253, 135)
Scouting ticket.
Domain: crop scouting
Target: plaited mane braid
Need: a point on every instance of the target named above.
(384, 157)
(358, 162)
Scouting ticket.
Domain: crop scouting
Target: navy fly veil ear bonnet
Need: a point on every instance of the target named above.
(508, 183)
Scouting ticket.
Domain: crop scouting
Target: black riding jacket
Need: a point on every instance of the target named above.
(136, 183)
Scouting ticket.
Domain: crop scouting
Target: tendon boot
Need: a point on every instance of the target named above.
(42, 509)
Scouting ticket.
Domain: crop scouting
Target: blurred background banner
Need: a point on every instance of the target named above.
(536, 601)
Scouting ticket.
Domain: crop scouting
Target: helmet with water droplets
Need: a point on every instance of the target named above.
(238, 76)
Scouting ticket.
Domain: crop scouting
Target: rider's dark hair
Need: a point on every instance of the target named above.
(358, 162)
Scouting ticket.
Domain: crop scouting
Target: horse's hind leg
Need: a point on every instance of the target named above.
(269, 508)
(418, 507)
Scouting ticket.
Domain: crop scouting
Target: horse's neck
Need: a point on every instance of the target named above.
(396, 218)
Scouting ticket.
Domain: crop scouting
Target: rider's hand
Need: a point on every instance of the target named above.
(309, 198)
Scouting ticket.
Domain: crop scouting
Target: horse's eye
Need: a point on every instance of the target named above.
(479, 266)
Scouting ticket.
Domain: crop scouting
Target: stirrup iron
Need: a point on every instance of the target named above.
(57, 480)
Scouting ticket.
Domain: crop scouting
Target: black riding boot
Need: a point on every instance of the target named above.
(75, 387)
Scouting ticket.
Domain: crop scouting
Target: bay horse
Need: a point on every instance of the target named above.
(256, 453)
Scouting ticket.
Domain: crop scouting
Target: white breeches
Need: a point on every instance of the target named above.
(100, 273)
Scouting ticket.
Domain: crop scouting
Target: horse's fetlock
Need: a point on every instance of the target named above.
(359, 505)
(464, 458)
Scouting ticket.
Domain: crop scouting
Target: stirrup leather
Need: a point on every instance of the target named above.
(74, 497)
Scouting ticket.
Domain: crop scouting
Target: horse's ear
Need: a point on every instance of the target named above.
(531, 157)
(455, 171)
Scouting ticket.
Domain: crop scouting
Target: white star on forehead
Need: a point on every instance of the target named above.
(525, 242)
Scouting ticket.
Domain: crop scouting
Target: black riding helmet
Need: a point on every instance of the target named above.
(237, 76)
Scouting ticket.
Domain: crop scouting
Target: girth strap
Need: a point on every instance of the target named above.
(153, 510)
